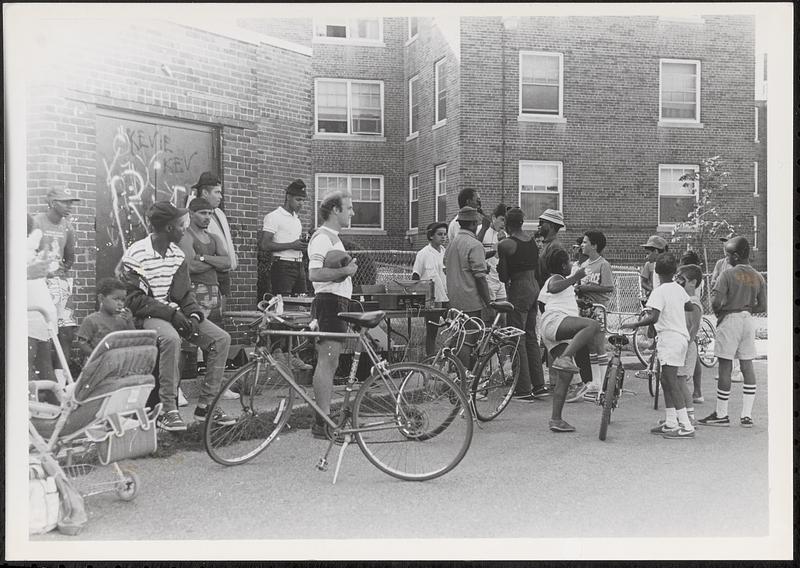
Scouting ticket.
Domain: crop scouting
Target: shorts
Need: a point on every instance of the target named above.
(672, 347)
(736, 337)
(548, 327)
(207, 296)
(325, 309)
(687, 370)
(61, 292)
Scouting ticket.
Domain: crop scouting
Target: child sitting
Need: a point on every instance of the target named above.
(112, 316)
(559, 323)
(666, 306)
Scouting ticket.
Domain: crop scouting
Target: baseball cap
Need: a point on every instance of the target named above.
(207, 179)
(62, 194)
(297, 188)
(164, 212)
(554, 216)
(199, 204)
(655, 242)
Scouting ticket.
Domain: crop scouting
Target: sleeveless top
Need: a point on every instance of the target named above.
(563, 302)
(209, 277)
(526, 257)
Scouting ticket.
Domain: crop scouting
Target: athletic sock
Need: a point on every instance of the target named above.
(683, 420)
(722, 402)
(672, 418)
(748, 396)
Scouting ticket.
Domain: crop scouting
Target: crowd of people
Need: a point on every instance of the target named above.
(176, 280)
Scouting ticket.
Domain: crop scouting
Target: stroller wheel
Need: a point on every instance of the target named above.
(128, 487)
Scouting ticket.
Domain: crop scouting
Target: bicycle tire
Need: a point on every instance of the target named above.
(495, 380)
(448, 364)
(417, 424)
(657, 380)
(643, 345)
(706, 339)
(261, 411)
(608, 396)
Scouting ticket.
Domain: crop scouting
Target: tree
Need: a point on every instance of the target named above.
(704, 222)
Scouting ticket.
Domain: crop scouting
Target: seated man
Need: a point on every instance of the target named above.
(160, 296)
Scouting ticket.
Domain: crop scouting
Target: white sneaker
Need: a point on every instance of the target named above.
(182, 399)
(230, 395)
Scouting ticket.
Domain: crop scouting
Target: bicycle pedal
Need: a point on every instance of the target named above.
(322, 464)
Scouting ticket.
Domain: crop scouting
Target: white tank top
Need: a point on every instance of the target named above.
(563, 302)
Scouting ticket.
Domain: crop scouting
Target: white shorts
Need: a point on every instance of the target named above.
(736, 337)
(672, 347)
(691, 360)
(548, 327)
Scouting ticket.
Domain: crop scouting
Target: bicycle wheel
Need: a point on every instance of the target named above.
(706, 337)
(448, 364)
(262, 409)
(643, 345)
(608, 396)
(415, 422)
(656, 378)
(495, 381)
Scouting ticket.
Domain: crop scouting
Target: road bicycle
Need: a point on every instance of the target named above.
(494, 370)
(401, 416)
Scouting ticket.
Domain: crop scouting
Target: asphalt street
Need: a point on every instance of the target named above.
(518, 480)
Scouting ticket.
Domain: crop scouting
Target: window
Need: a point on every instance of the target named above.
(680, 90)
(413, 105)
(755, 178)
(440, 80)
(756, 138)
(755, 232)
(349, 30)
(540, 187)
(413, 28)
(413, 201)
(676, 198)
(441, 193)
(367, 194)
(349, 107)
(541, 83)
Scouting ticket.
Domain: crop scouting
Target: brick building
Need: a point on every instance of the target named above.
(597, 116)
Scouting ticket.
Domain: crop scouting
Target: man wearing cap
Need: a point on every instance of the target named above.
(468, 197)
(282, 237)
(160, 296)
(465, 266)
(58, 244)
(550, 223)
(429, 265)
(648, 279)
(209, 187)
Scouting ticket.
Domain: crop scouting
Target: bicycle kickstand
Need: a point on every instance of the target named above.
(345, 443)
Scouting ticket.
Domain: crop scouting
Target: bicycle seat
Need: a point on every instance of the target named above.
(363, 319)
(502, 306)
(618, 340)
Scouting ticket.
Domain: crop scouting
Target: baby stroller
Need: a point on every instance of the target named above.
(103, 410)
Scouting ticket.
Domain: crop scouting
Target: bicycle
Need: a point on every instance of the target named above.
(401, 416)
(492, 377)
(705, 339)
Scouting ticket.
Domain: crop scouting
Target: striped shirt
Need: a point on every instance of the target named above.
(156, 271)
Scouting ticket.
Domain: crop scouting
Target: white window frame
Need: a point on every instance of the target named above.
(350, 178)
(696, 168)
(348, 134)
(755, 232)
(756, 140)
(755, 178)
(436, 66)
(437, 184)
(697, 84)
(412, 37)
(529, 223)
(411, 132)
(543, 116)
(349, 24)
(413, 196)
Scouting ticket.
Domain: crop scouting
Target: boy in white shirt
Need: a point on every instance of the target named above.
(429, 265)
(667, 305)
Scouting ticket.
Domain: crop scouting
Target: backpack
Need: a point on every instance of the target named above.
(43, 500)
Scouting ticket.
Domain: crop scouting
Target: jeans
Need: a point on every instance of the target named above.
(523, 290)
(288, 277)
(215, 343)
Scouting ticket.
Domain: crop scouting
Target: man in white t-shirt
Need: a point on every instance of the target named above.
(333, 288)
(282, 237)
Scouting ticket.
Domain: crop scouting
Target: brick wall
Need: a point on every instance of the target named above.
(611, 144)
(216, 81)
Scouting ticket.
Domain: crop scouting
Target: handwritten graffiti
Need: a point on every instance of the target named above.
(143, 168)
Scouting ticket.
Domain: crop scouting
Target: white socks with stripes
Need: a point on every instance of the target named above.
(722, 402)
(748, 396)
